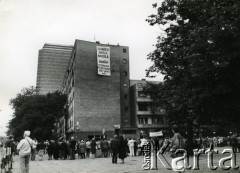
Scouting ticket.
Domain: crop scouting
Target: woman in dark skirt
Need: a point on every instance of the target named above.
(122, 148)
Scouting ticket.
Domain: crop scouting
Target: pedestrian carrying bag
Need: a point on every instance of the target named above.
(30, 146)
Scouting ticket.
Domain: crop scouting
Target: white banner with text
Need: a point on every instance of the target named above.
(103, 60)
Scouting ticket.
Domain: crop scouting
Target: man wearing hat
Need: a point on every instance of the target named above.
(24, 148)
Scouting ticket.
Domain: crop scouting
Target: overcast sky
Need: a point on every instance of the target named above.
(26, 25)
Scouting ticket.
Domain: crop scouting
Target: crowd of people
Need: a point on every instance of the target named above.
(80, 149)
(118, 147)
(27, 149)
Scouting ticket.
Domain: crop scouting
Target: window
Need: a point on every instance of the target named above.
(126, 96)
(125, 73)
(141, 120)
(141, 94)
(157, 120)
(142, 106)
(125, 85)
(126, 108)
(150, 121)
(124, 61)
(145, 121)
(124, 50)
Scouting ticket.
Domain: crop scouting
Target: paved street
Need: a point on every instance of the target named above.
(102, 165)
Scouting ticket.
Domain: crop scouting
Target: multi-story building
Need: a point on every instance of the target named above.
(144, 116)
(97, 84)
(52, 64)
(101, 98)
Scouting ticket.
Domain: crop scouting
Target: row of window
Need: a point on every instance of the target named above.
(143, 106)
(150, 120)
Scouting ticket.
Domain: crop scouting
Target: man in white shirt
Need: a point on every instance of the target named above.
(131, 146)
(24, 148)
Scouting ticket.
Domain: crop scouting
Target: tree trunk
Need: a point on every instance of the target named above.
(190, 136)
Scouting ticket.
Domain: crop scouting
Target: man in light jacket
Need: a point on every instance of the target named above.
(24, 148)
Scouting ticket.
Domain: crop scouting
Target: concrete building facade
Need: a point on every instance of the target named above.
(97, 104)
(52, 64)
(144, 117)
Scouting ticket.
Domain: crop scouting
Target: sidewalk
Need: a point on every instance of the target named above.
(102, 165)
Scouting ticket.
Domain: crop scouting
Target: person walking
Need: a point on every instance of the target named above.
(109, 149)
(63, 149)
(143, 141)
(9, 152)
(73, 143)
(114, 147)
(105, 147)
(82, 149)
(123, 146)
(234, 143)
(56, 150)
(93, 148)
(50, 150)
(135, 147)
(88, 148)
(131, 146)
(177, 143)
(2, 158)
(99, 150)
(24, 148)
(34, 150)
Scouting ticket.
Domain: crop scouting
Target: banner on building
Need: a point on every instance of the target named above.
(155, 134)
(116, 126)
(103, 60)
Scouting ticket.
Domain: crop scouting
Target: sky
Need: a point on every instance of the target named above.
(26, 25)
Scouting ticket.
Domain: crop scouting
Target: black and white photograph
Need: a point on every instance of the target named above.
(119, 86)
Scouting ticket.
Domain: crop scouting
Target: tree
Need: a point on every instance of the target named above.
(36, 113)
(199, 56)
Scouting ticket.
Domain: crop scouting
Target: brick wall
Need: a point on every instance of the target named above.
(96, 98)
